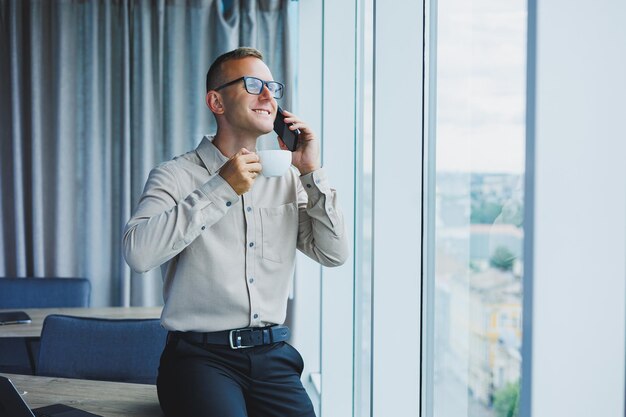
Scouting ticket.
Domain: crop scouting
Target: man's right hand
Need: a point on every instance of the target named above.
(241, 170)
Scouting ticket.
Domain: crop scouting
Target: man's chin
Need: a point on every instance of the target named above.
(262, 128)
(266, 130)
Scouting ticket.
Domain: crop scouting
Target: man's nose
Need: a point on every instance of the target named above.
(266, 93)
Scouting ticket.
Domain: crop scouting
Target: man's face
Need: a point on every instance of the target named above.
(243, 111)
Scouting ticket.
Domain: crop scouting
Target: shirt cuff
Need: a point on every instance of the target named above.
(315, 183)
(220, 192)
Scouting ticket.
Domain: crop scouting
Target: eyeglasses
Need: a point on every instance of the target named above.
(255, 86)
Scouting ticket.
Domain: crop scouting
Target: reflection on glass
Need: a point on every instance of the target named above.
(363, 284)
(478, 238)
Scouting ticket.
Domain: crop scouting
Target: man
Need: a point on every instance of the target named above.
(226, 239)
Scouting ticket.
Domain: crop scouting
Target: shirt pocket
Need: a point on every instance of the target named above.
(279, 230)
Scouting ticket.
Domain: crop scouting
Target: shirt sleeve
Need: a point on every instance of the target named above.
(321, 234)
(165, 222)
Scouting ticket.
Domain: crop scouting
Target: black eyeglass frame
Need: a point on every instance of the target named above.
(264, 84)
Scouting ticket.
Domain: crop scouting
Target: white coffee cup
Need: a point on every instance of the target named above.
(274, 162)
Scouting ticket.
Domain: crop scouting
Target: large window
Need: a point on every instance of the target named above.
(442, 174)
(475, 247)
(437, 137)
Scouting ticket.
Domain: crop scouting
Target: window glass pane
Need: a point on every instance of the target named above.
(476, 301)
(363, 237)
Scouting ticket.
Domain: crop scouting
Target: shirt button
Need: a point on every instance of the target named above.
(251, 280)
(308, 186)
(256, 316)
(228, 204)
(203, 227)
(251, 245)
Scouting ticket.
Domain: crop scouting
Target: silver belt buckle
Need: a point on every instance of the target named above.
(238, 344)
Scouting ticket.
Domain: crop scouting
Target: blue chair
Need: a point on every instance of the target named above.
(44, 292)
(126, 350)
(17, 355)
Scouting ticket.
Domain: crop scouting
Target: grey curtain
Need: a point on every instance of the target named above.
(93, 94)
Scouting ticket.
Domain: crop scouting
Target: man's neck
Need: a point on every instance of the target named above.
(229, 143)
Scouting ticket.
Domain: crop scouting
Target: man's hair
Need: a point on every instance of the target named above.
(215, 75)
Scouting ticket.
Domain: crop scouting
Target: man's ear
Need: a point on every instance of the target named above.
(214, 102)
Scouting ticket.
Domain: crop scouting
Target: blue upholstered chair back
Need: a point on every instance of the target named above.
(18, 355)
(44, 292)
(101, 349)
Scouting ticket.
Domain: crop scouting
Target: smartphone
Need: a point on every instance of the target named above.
(289, 137)
(14, 317)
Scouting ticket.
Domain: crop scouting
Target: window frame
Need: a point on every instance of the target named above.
(331, 57)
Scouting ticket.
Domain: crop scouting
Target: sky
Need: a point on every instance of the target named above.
(481, 75)
(480, 87)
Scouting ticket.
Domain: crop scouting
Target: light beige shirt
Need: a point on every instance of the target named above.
(227, 260)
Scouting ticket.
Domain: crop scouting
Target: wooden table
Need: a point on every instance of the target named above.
(108, 399)
(39, 314)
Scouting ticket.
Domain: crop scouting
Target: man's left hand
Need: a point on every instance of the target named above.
(306, 156)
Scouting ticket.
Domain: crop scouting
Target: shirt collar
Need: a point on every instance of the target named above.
(210, 155)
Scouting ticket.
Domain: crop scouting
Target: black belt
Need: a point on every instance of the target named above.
(237, 338)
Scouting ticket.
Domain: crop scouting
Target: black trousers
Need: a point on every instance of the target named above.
(204, 380)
